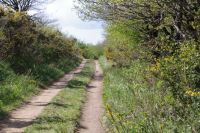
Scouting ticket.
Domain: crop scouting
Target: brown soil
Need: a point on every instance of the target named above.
(93, 109)
(25, 116)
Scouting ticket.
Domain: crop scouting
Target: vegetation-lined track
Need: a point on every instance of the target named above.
(24, 116)
(151, 70)
(63, 113)
(154, 47)
(92, 112)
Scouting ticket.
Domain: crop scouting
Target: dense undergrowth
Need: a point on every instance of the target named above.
(154, 47)
(134, 106)
(63, 113)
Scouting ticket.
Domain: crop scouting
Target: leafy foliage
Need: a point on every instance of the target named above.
(132, 105)
(90, 51)
(32, 55)
(163, 35)
(26, 44)
(21, 5)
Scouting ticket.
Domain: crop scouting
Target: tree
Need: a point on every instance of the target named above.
(22, 5)
(177, 20)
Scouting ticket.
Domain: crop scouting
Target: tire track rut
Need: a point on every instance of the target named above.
(25, 115)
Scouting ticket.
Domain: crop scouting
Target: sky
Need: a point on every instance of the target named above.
(68, 22)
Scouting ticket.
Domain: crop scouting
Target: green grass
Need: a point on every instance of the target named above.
(63, 113)
(47, 73)
(14, 92)
(134, 107)
(16, 89)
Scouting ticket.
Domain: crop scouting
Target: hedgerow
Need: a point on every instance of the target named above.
(157, 43)
(32, 55)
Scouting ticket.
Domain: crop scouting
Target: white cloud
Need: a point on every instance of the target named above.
(69, 22)
(92, 36)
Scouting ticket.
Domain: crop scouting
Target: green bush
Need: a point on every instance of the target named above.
(90, 51)
(5, 71)
(26, 43)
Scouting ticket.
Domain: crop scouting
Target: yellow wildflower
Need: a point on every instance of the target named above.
(166, 59)
(110, 114)
(117, 114)
(32, 81)
(192, 94)
(162, 73)
(158, 64)
(188, 92)
(108, 106)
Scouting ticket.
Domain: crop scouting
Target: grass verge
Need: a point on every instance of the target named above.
(16, 89)
(134, 107)
(62, 114)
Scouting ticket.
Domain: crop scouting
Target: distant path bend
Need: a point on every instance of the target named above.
(93, 110)
(25, 116)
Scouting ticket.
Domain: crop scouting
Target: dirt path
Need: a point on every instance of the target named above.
(93, 109)
(25, 116)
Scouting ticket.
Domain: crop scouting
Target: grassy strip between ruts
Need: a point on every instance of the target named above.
(62, 114)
